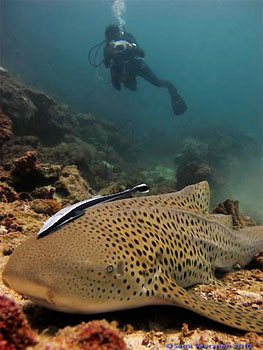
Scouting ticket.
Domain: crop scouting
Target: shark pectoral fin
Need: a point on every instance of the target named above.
(231, 315)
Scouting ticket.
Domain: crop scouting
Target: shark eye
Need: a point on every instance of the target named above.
(109, 268)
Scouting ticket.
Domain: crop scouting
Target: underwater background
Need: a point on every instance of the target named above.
(211, 50)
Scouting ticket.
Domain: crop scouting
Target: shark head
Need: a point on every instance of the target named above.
(66, 273)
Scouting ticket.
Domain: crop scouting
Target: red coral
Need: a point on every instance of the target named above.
(98, 335)
(15, 333)
(5, 128)
(94, 335)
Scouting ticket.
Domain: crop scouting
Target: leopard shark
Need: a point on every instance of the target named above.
(132, 252)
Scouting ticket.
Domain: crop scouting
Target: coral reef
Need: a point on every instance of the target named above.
(27, 179)
(6, 133)
(15, 333)
(96, 147)
(91, 156)
(32, 112)
(18, 146)
(26, 173)
(193, 165)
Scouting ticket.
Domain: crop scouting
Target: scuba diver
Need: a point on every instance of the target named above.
(123, 56)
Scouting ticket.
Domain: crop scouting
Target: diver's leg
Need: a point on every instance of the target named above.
(115, 77)
(178, 104)
(130, 75)
(131, 82)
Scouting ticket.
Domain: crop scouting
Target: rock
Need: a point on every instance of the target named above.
(99, 149)
(74, 152)
(17, 147)
(7, 193)
(192, 148)
(28, 166)
(112, 188)
(27, 172)
(45, 206)
(32, 112)
(45, 192)
(9, 222)
(194, 171)
(39, 183)
(15, 103)
(72, 186)
(194, 165)
(231, 207)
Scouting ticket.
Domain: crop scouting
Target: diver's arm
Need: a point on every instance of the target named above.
(107, 56)
(138, 52)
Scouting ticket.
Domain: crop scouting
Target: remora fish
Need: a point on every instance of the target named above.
(136, 252)
(73, 211)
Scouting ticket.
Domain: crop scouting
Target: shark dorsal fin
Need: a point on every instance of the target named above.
(194, 198)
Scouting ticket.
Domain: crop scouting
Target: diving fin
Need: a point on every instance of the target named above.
(178, 104)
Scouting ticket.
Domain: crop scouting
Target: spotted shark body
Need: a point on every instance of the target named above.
(136, 252)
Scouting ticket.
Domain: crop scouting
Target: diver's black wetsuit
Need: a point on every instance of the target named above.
(124, 56)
